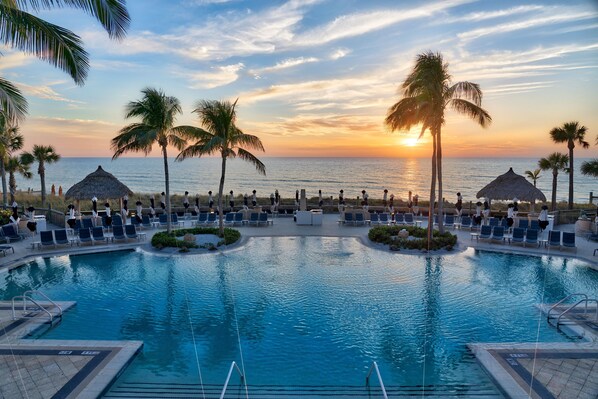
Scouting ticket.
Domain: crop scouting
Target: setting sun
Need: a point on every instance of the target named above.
(410, 141)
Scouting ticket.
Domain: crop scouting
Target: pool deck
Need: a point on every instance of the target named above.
(84, 369)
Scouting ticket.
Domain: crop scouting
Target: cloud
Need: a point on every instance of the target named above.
(113, 65)
(216, 77)
(485, 15)
(340, 53)
(45, 92)
(285, 64)
(11, 60)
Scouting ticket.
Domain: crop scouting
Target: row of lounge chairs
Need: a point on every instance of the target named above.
(528, 236)
(233, 219)
(96, 234)
(9, 233)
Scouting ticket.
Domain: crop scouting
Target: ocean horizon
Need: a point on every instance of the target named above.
(287, 174)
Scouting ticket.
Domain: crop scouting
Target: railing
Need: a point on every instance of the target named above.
(367, 378)
(233, 366)
(558, 321)
(563, 300)
(27, 296)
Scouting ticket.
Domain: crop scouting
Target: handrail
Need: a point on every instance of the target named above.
(233, 366)
(46, 298)
(563, 300)
(373, 367)
(24, 297)
(558, 321)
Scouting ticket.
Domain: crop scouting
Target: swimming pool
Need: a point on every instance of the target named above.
(305, 310)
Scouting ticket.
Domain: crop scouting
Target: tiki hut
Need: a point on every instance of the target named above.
(100, 184)
(509, 186)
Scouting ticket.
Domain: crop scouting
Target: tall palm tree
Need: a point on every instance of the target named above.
(17, 164)
(59, 46)
(570, 133)
(220, 135)
(533, 176)
(10, 141)
(555, 162)
(427, 93)
(158, 113)
(590, 168)
(42, 154)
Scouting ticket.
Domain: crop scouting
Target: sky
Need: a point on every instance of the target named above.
(315, 78)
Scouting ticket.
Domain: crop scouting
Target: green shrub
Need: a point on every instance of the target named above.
(5, 216)
(163, 239)
(388, 235)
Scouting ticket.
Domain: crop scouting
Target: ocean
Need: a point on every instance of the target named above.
(398, 175)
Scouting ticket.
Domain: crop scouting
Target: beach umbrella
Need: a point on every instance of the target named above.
(98, 184)
(511, 185)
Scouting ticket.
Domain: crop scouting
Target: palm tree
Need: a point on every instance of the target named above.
(18, 164)
(590, 168)
(54, 44)
(43, 154)
(10, 140)
(570, 133)
(554, 162)
(158, 113)
(220, 134)
(533, 176)
(427, 93)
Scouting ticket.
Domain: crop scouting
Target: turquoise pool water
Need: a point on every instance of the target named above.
(305, 310)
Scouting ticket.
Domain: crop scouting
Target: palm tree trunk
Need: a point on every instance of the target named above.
(166, 182)
(4, 190)
(432, 193)
(555, 173)
(439, 167)
(12, 182)
(571, 146)
(220, 192)
(42, 176)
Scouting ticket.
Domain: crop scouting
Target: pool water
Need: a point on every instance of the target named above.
(305, 310)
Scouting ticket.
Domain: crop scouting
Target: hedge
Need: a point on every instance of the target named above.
(388, 235)
(164, 239)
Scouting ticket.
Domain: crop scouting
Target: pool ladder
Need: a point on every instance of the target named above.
(583, 301)
(27, 297)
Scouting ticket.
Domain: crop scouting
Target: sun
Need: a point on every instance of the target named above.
(410, 141)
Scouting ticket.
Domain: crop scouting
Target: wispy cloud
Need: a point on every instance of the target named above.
(486, 15)
(285, 64)
(11, 60)
(216, 77)
(339, 53)
(46, 92)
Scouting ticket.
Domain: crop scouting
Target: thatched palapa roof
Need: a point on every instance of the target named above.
(509, 186)
(100, 184)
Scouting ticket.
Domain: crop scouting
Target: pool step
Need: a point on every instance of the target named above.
(179, 391)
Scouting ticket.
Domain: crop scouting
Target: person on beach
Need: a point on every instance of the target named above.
(341, 201)
(254, 199)
(210, 200)
(272, 202)
(15, 210)
(543, 218)
(231, 201)
(477, 219)
(364, 203)
(276, 200)
(510, 215)
(391, 204)
(385, 199)
(124, 212)
(197, 207)
(486, 212)
(320, 199)
(459, 205)
(31, 224)
(126, 202)
(139, 211)
(186, 201)
(416, 204)
(108, 214)
(163, 201)
(94, 207)
(152, 206)
(71, 218)
(245, 201)
(515, 207)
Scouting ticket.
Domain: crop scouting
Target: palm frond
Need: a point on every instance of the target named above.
(136, 137)
(13, 105)
(247, 140)
(590, 168)
(404, 114)
(249, 157)
(467, 91)
(480, 115)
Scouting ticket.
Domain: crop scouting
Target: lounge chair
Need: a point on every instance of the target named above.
(10, 233)
(254, 218)
(146, 222)
(373, 218)
(359, 219)
(130, 232)
(238, 218)
(229, 219)
(263, 218)
(518, 236)
(383, 218)
(399, 218)
(569, 240)
(202, 218)
(524, 224)
(492, 222)
(531, 237)
(485, 232)
(97, 233)
(174, 219)
(534, 224)
(105, 224)
(409, 219)
(87, 223)
(554, 239)
(449, 221)
(211, 218)
(348, 218)
(498, 234)
(163, 220)
(116, 220)
(504, 223)
(119, 233)
(85, 236)
(465, 222)
(78, 226)
(60, 237)
(5, 248)
(135, 222)
(47, 238)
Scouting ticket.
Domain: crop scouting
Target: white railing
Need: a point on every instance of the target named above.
(233, 366)
(28, 296)
(584, 301)
(563, 300)
(367, 378)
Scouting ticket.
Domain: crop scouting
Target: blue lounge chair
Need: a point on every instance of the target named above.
(202, 218)
(554, 239)
(85, 236)
(504, 223)
(238, 218)
(10, 233)
(119, 233)
(466, 222)
(135, 222)
(131, 232)
(116, 220)
(524, 224)
(373, 218)
(399, 218)
(87, 223)
(254, 218)
(492, 222)
(174, 219)
(383, 218)
(531, 237)
(146, 222)
(498, 234)
(569, 240)
(518, 236)
(47, 238)
(60, 237)
(229, 219)
(211, 218)
(534, 224)
(97, 233)
(485, 232)
(348, 218)
(163, 220)
(359, 219)
(409, 219)
(5, 248)
(263, 218)
(449, 221)
(78, 225)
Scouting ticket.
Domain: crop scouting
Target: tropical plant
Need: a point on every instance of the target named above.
(427, 93)
(158, 113)
(555, 162)
(570, 133)
(42, 154)
(533, 176)
(220, 135)
(10, 140)
(17, 164)
(590, 168)
(54, 44)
